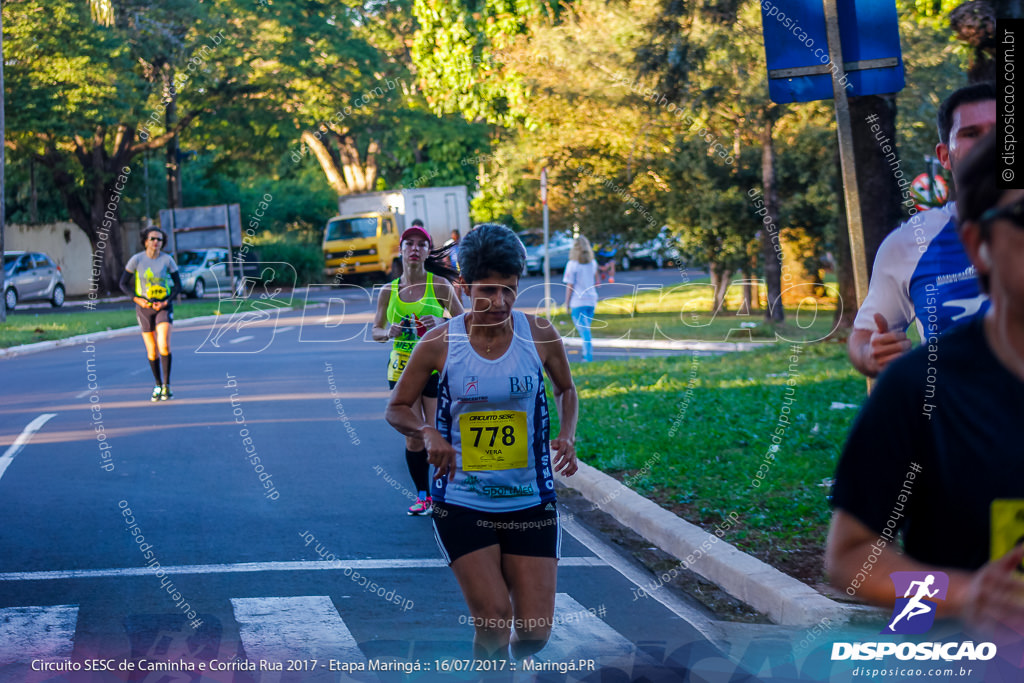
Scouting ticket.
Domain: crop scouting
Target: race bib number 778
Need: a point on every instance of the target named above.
(494, 440)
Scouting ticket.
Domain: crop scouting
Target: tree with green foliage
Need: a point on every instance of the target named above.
(89, 96)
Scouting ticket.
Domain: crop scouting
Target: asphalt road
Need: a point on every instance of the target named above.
(137, 532)
(531, 291)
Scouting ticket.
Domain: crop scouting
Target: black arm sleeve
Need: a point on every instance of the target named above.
(126, 283)
(176, 289)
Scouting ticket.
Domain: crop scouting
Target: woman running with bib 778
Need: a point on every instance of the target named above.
(494, 493)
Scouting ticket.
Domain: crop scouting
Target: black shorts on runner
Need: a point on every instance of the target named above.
(533, 532)
(430, 391)
(149, 318)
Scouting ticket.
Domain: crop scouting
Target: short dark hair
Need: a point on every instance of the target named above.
(416, 223)
(146, 233)
(490, 247)
(977, 187)
(977, 92)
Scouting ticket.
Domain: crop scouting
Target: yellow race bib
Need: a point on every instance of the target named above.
(156, 292)
(494, 440)
(1007, 522)
(400, 352)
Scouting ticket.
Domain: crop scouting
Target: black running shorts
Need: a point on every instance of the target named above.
(534, 532)
(430, 391)
(149, 318)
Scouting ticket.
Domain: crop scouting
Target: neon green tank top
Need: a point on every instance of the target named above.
(405, 313)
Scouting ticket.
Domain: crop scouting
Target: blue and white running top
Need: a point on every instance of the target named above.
(495, 414)
(922, 273)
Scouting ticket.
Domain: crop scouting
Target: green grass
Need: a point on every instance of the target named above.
(27, 327)
(699, 455)
(682, 313)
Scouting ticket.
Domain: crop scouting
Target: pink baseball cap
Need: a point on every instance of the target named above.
(417, 231)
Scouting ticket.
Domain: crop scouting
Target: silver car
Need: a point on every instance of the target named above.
(31, 275)
(559, 245)
(204, 270)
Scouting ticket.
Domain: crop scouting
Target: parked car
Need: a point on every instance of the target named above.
(204, 270)
(32, 275)
(559, 245)
(654, 253)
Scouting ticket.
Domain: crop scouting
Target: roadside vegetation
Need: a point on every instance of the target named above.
(29, 327)
(694, 433)
(683, 312)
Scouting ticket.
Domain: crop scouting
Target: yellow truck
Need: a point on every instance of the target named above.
(363, 238)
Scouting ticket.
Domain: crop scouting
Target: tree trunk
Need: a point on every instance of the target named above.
(750, 295)
(33, 193)
(323, 155)
(171, 121)
(720, 286)
(770, 248)
(96, 209)
(358, 177)
(105, 237)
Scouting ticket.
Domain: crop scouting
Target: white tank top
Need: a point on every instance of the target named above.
(495, 414)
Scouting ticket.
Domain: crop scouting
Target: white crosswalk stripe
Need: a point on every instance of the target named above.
(280, 629)
(28, 633)
(304, 627)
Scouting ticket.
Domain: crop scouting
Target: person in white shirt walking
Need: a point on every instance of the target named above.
(580, 279)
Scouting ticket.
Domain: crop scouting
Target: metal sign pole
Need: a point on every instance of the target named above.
(547, 259)
(851, 191)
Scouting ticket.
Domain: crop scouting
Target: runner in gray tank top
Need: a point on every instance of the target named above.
(493, 463)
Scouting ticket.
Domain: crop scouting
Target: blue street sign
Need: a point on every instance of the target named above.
(800, 67)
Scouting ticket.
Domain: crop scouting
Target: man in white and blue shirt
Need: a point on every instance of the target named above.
(921, 272)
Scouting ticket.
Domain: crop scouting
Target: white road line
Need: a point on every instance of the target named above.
(28, 633)
(705, 626)
(578, 633)
(248, 567)
(303, 627)
(23, 438)
(239, 340)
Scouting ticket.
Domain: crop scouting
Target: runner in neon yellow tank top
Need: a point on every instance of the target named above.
(409, 316)
(412, 305)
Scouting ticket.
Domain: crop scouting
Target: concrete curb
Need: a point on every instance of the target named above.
(26, 349)
(782, 598)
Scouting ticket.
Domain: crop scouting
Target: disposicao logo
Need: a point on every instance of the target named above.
(917, 596)
(914, 612)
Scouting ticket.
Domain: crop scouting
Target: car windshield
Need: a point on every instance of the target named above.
(191, 258)
(531, 239)
(348, 228)
(10, 260)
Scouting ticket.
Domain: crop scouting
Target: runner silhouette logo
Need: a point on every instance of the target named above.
(917, 596)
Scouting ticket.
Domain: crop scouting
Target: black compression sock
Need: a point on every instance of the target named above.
(154, 365)
(418, 468)
(165, 362)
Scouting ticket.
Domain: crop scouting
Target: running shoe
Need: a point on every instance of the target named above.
(166, 393)
(157, 390)
(421, 507)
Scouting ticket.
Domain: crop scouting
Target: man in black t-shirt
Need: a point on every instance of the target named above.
(937, 452)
